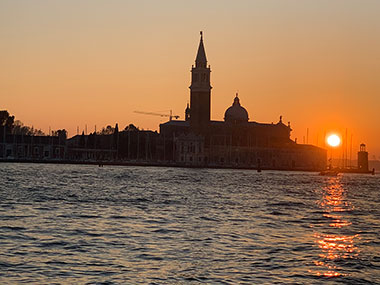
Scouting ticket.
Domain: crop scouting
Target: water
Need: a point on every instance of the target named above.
(85, 224)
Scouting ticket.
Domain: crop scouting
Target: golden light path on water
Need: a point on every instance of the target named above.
(333, 245)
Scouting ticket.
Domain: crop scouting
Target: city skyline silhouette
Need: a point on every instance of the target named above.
(312, 63)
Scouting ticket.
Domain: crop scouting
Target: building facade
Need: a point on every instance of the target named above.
(31, 147)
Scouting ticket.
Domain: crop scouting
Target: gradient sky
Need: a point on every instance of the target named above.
(70, 63)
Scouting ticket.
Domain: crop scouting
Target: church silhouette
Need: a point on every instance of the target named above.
(234, 142)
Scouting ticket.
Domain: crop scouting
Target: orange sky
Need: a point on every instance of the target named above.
(70, 63)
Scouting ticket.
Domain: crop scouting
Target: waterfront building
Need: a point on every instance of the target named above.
(127, 145)
(31, 147)
(236, 141)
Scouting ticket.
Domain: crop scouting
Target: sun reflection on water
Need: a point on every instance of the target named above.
(334, 246)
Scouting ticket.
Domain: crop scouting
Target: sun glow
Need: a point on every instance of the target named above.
(333, 140)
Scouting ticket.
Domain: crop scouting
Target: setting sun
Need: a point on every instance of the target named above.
(333, 140)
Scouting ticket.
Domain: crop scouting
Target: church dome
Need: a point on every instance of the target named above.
(236, 113)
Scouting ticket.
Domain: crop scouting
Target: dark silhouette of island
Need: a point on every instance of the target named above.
(196, 141)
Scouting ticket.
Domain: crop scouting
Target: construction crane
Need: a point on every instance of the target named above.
(170, 115)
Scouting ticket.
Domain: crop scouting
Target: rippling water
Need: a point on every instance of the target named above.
(85, 224)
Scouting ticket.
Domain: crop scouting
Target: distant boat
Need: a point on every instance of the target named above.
(329, 173)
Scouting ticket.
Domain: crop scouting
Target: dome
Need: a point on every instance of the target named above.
(236, 113)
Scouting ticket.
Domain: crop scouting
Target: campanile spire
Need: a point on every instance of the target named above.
(200, 91)
(201, 60)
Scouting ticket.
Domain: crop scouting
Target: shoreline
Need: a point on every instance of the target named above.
(167, 164)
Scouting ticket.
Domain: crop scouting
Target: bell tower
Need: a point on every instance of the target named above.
(200, 91)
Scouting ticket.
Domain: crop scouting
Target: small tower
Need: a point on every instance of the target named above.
(200, 91)
(363, 158)
(187, 112)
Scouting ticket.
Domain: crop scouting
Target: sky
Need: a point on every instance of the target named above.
(68, 64)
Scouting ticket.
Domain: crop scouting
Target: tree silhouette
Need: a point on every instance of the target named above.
(17, 127)
(107, 130)
(131, 127)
